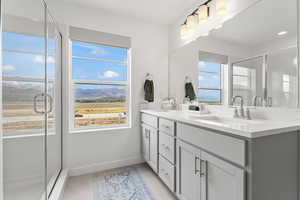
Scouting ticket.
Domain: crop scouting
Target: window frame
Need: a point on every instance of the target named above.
(71, 99)
(212, 88)
(249, 78)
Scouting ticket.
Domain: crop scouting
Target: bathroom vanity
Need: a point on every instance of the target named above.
(210, 157)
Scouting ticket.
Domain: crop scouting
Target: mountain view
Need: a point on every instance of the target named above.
(112, 94)
(25, 92)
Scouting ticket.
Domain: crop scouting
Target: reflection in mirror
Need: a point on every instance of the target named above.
(282, 77)
(247, 80)
(261, 50)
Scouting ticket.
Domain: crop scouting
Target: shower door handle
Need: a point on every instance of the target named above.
(51, 103)
(35, 103)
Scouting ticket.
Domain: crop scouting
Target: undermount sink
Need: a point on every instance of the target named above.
(224, 120)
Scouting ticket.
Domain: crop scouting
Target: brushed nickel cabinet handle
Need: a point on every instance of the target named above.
(196, 165)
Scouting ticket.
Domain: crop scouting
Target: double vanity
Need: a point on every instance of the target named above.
(212, 157)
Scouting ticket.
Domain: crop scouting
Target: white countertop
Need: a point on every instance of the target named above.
(239, 127)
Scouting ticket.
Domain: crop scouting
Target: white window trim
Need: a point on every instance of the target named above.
(71, 100)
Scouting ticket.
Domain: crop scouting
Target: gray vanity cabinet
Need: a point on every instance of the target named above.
(188, 172)
(150, 148)
(221, 180)
(200, 163)
(203, 176)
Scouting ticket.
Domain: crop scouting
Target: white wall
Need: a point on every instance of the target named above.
(149, 54)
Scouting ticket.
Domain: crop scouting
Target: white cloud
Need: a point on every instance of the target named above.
(8, 68)
(109, 74)
(40, 59)
(201, 64)
(51, 59)
(99, 52)
(216, 76)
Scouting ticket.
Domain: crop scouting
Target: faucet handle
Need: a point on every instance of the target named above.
(248, 115)
(236, 113)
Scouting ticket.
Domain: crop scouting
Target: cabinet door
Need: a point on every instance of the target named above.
(153, 148)
(188, 172)
(221, 180)
(145, 140)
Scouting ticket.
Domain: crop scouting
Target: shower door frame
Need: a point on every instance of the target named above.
(49, 186)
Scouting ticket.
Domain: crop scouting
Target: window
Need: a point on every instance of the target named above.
(209, 78)
(241, 77)
(23, 78)
(100, 86)
(286, 83)
(244, 83)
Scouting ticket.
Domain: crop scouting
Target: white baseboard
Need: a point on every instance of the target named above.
(98, 167)
(58, 191)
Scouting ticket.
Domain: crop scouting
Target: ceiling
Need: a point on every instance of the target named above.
(158, 11)
(260, 24)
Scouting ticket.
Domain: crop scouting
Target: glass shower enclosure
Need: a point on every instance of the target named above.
(31, 100)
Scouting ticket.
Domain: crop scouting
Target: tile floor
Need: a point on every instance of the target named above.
(80, 187)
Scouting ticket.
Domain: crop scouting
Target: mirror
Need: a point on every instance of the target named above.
(247, 80)
(261, 53)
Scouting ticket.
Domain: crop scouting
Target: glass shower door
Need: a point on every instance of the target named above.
(23, 65)
(31, 86)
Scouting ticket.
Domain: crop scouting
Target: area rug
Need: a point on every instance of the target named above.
(122, 184)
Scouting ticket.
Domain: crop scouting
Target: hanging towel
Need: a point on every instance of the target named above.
(189, 91)
(149, 90)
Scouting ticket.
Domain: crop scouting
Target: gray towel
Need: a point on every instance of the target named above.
(149, 90)
(189, 91)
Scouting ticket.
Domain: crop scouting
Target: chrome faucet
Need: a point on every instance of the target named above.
(241, 112)
(257, 101)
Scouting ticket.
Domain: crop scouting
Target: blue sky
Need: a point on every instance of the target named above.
(32, 65)
(26, 65)
(99, 70)
(209, 77)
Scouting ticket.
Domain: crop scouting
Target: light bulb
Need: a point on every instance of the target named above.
(191, 21)
(203, 13)
(220, 7)
(184, 31)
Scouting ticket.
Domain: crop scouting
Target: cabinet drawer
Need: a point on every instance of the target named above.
(230, 148)
(167, 173)
(167, 126)
(167, 147)
(150, 120)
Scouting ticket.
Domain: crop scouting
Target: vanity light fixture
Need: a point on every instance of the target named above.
(282, 33)
(220, 7)
(203, 13)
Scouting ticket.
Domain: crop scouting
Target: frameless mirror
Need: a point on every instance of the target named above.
(262, 57)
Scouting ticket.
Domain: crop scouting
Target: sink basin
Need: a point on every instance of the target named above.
(223, 120)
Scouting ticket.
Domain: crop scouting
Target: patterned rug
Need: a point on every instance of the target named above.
(123, 184)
